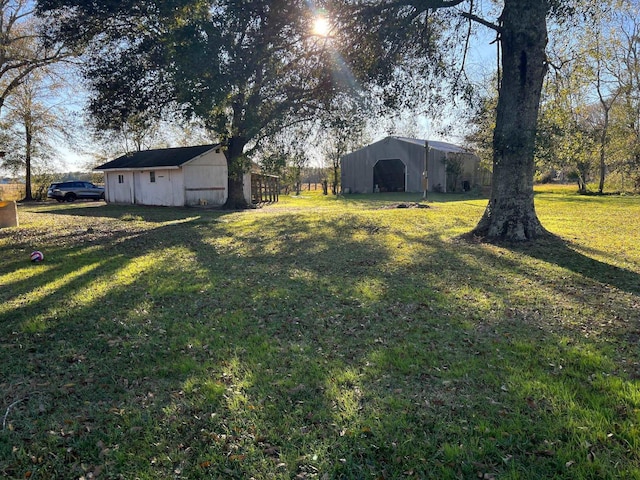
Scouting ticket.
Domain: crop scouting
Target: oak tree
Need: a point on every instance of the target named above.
(247, 69)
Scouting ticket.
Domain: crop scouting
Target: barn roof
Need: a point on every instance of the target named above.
(442, 146)
(163, 157)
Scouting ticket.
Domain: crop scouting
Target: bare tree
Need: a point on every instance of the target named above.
(342, 132)
(23, 48)
(626, 113)
(601, 56)
(35, 120)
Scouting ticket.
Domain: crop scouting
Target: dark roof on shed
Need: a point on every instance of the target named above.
(164, 157)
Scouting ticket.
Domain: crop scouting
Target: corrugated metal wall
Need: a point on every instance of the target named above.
(357, 167)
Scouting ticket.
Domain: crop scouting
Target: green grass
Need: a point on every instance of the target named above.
(320, 338)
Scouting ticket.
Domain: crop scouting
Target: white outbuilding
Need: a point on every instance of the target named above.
(181, 176)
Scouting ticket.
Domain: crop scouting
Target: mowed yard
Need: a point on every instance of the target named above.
(320, 338)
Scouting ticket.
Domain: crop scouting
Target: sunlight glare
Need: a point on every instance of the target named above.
(321, 27)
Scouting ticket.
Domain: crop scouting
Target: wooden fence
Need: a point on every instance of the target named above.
(264, 188)
(11, 191)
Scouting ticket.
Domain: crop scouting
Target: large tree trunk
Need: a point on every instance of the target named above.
(510, 214)
(236, 170)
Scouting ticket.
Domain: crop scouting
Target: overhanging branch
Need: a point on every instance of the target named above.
(481, 21)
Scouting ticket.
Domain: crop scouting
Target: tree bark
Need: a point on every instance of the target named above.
(603, 147)
(235, 168)
(28, 197)
(603, 165)
(510, 214)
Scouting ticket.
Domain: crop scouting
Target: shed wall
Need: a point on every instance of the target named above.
(202, 180)
(357, 167)
(205, 180)
(246, 187)
(166, 190)
(436, 170)
(116, 192)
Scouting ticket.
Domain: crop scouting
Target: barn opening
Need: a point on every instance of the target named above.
(389, 176)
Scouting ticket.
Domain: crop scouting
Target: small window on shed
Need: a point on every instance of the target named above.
(120, 178)
(152, 177)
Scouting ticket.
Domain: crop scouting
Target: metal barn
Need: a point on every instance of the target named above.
(399, 164)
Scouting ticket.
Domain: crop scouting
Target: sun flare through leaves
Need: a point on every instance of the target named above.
(321, 26)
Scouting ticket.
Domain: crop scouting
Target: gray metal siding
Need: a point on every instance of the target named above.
(357, 167)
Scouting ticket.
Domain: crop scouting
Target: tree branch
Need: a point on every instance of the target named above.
(466, 49)
(379, 7)
(481, 21)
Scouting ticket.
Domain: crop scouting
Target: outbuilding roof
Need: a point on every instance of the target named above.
(163, 157)
(442, 146)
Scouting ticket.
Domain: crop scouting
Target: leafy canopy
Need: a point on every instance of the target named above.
(243, 67)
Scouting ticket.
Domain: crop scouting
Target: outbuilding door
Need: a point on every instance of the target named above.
(389, 176)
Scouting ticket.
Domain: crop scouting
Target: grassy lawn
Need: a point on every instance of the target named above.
(320, 338)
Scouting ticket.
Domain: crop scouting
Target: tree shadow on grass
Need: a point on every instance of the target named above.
(275, 347)
(227, 353)
(188, 333)
(132, 212)
(560, 252)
